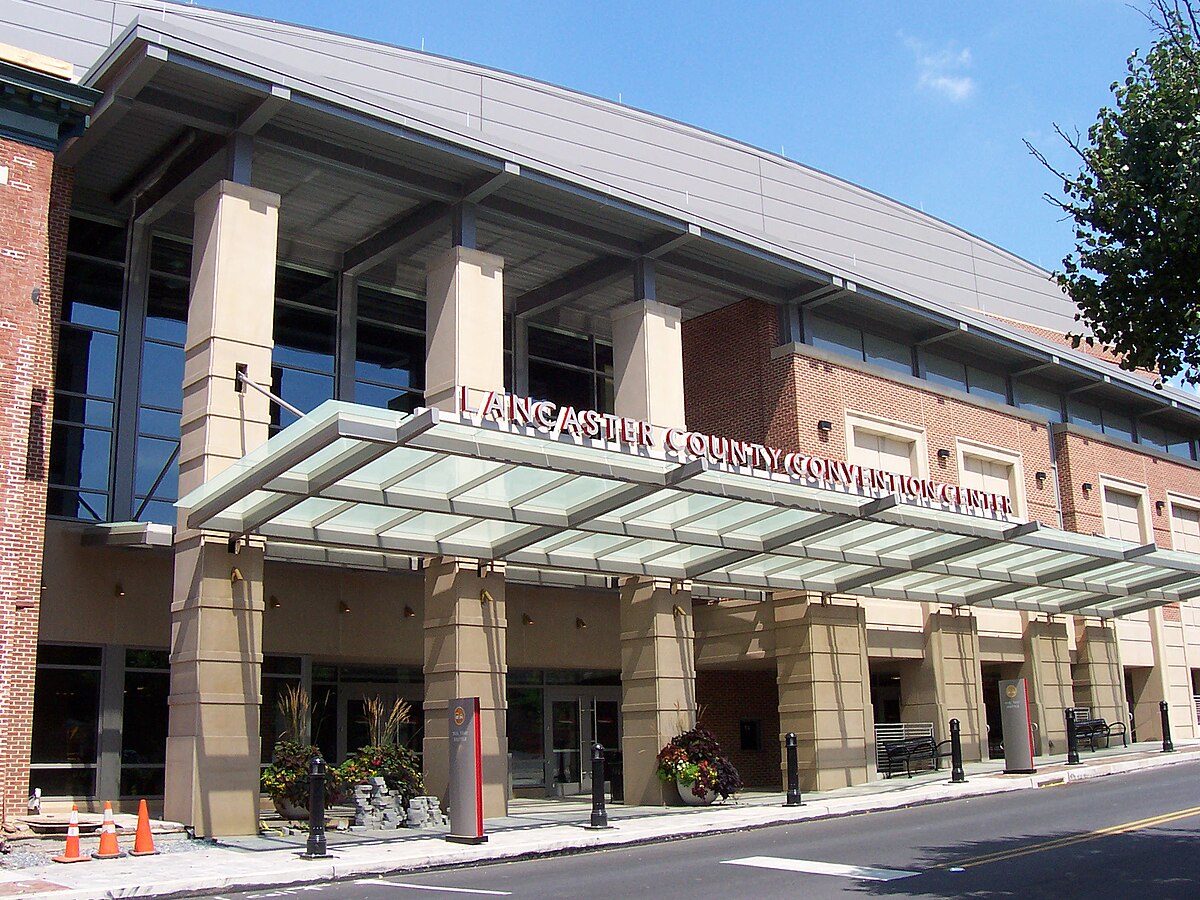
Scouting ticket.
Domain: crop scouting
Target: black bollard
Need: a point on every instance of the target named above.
(1072, 739)
(793, 772)
(599, 816)
(1168, 746)
(957, 775)
(316, 810)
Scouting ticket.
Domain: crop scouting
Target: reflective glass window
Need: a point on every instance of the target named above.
(827, 334)
(1038, 399)
(390, 350)
(66, 720)
(570, 368)
(302, 361)
(986, 384)
(946, 372)
(892, 355)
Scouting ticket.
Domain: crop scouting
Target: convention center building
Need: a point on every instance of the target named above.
(336, 364)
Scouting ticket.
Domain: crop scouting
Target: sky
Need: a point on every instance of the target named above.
(925, 102)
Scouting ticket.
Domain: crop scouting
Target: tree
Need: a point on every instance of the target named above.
(1135, 270)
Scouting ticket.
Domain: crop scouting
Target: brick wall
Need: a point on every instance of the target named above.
(34, 206)
(728, 697)
(1083, 458)
(735, 388)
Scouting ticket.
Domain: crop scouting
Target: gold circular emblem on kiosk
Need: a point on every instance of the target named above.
(460, 715)
(1011, 690)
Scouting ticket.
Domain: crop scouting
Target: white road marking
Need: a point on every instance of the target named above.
(431, 887)
(815, 867)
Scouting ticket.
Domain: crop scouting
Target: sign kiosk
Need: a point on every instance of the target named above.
(466, 773)
(1017, 728)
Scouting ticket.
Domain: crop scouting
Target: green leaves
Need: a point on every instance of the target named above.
(1135, 270)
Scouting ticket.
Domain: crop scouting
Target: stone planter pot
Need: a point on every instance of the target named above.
(288, 810)
(690, 799)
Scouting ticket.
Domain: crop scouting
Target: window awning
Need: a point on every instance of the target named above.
(438, 483)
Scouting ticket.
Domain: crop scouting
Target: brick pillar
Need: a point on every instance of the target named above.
(1047, 674)
(824, 691)
(35, 201)
(212, 769)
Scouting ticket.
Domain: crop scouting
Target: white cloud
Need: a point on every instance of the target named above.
(942, 72)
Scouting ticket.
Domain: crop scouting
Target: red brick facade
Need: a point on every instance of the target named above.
(34, 206)
(752, 394)
(1086, 458)
(726, 699)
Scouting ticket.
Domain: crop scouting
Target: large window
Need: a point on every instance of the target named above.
(305, 338)
(571, 369)
(86, 378)
(839, 337)
(390, 357)
(144, 718)
(66, 720)
(160, 400)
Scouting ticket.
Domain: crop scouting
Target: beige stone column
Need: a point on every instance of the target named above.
(824, 690)
(648, 363)
(216, 609)
(465, 624)
(1047, 674)
(658, 681)
(1170, 680)
(466, 656)
(658, 673)
(1102, 688)
(949, 683)
(464, 336)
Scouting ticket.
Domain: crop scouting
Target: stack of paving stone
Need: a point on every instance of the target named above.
(375, 806)
(426, 812)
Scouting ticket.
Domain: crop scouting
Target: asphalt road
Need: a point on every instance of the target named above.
(1131, 836)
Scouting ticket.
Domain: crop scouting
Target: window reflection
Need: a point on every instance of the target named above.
(570, 369)
(389, 367)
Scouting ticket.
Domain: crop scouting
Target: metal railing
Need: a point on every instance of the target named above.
(897, 731)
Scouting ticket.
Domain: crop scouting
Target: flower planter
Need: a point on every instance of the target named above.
(690, 799)
(289, 810)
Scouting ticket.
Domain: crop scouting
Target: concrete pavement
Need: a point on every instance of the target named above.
(533, 828)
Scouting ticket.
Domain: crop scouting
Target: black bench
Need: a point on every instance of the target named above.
(1095, 729)
(902, 754)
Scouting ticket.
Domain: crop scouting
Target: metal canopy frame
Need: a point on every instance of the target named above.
(434, 483)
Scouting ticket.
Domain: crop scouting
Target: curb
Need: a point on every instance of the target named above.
(585, 842)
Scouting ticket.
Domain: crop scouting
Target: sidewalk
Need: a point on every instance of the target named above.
(533, 828)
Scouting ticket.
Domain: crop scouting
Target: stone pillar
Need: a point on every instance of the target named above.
(216, 610)
(1170, 680)
(1102, 687)
(466, 656)
(35, 199)
(824, 690)
(648, 363)
(949, 683)
(464, 336)
(658, 681)
(465, 637)
(658, 672)
(1047, 674)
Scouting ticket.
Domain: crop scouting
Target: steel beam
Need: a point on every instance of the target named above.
(117, 101)
(577, 282)
(412, 229)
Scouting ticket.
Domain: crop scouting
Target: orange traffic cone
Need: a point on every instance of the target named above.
(71, 853)
(143, 843)
(108, 836)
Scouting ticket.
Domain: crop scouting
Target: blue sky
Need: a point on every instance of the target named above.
(925, 102)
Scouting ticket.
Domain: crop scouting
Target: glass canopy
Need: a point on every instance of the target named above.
(436, 483)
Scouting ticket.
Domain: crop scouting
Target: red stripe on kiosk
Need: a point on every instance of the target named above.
(466, 773)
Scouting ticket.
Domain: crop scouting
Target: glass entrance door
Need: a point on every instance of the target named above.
(575, 719)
